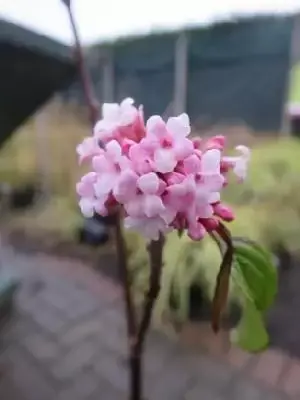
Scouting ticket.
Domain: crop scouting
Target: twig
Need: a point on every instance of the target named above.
(155, 250)
(223, 278)
(123, 269)
(136, 334)
(90, 99)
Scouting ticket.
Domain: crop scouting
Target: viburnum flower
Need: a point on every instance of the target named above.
(120, 121)
(157, 175)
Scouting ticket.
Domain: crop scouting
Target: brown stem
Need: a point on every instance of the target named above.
(155, 250)
(134, 357)
(223, 277)
(135, 364)
(124, 276)
(90, 99)
(136, 335)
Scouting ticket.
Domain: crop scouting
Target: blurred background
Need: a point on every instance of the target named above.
(234, 67)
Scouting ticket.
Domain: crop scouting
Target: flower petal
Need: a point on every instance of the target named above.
(148, 183)
(192, 164)
(179, 126)
(105, 183)
(126, 186)
(102, 165)
(135, 206)
(111, 112)
(87, 206)
(153, 206)
(210, 162)
(164, 160)
(113, 150)
(183, 148)
(156, 126)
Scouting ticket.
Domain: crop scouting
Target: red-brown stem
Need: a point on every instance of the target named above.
(124, 276)
(155, 250)
(90, 99)
(136, 334)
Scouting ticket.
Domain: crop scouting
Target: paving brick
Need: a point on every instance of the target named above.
(238, 358)
(156, 358)
(41, 347)
(82, 387)
(47, 317)
(73, 330)
(199, 391)
(82, 331)
(74, 361)
(247, 390)
(212, 371)
(291, 382)
(9, 390)
(112, 369)
(107, 391)
(201, 335)
(29, 378)
(172, 383)
(113, 331)
(269, 367)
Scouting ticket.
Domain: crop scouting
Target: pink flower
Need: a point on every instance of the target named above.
(147, 201)
(120, 121)
(159, 177)
(168, 141)
(87, 149)
(109, 167)
(85, 189)
(239, 164)
(223, 212)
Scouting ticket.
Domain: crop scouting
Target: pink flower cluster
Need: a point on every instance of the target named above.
(162, 179)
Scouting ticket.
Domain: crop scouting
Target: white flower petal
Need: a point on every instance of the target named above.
(153, 206)
(114, 150)
(210, 162)
(111, 112)
(148, 183)
(87, 207)
(164, 160)
(155, 126)
(179, 126)
(105, 183)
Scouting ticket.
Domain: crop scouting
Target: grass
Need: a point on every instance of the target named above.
(43, 149)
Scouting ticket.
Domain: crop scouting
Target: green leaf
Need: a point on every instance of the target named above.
(258, 271)
(250, 334)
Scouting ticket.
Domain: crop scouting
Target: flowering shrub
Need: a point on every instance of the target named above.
(162, 179)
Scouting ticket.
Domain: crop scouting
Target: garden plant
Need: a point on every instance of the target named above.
(166, 186)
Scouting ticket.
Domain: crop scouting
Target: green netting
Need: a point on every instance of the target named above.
(237, 71)
(144, 70)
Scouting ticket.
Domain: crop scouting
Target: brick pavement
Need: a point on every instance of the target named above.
(67, 342)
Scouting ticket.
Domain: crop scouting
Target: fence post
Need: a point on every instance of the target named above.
(181, 73)
(294, 57)
(108, 76)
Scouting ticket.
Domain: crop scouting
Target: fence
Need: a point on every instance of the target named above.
(228, 72)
